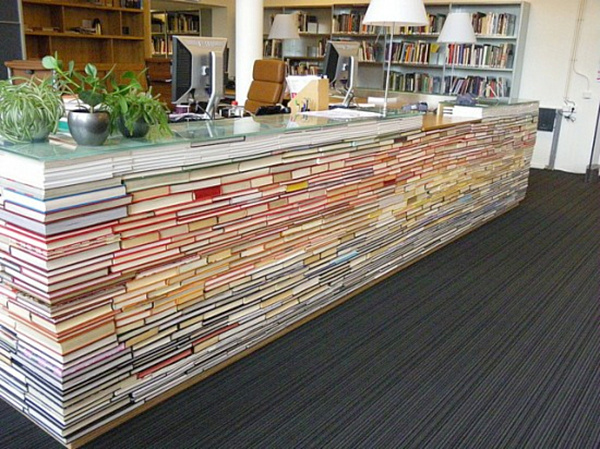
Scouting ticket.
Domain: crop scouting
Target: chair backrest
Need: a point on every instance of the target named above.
(266, 89)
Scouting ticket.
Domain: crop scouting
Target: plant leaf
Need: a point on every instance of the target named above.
(91, 70)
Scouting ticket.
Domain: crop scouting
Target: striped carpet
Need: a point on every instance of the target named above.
(491, 342)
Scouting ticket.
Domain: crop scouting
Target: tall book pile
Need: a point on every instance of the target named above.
(102, 313)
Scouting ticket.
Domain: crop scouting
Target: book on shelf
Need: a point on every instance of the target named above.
(349, 22)
(479, 86)
(415, 82)
(436, 23)
(481, 55)
(418, 52)
(369, 51)
(494, 24)
(307, 23)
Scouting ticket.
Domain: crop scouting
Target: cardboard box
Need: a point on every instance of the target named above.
(313, 97)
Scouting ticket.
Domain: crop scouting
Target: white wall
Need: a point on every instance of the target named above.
(546, 68)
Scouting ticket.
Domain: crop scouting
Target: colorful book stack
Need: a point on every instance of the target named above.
(203, 260)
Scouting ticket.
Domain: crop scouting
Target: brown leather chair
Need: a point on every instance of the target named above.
(266, 89)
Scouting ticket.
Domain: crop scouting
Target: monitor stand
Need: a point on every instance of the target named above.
(347, 103)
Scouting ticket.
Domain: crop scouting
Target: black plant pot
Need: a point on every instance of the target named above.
(140, 128)
(89, 128)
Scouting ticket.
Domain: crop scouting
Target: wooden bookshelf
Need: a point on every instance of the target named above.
(166, 24)
(68, 28)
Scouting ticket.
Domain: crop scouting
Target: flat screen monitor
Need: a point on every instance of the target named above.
(198, 71)
(341, 67)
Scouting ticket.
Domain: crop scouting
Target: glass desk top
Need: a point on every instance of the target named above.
(62, 147)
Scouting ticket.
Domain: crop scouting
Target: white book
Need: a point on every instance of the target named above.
(64, 261)
(46, 217)
(69, 224)
(63, 202)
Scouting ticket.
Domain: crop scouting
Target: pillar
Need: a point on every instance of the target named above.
(248, 43)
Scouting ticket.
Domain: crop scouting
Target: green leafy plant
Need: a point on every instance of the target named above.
(89, 87)
(30, 109)
(133, 105)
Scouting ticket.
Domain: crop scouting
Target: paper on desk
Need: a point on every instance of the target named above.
(298, 82)
(342, 114)
(381, 100)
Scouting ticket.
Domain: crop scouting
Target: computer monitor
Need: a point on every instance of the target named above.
(198, 68)
(341, 66)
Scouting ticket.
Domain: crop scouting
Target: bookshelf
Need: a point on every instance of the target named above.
(165, 24)
(491, 67)
(106, 32)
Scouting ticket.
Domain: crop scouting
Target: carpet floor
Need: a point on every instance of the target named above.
(491, 342)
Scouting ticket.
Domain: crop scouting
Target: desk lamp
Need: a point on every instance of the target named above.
(392, 13)
(457, 29)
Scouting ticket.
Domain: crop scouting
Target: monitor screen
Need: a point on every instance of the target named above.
(341, 65)
(198, 70)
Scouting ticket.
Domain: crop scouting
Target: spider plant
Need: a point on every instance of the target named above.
(30, 109)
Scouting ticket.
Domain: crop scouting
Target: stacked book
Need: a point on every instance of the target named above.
(98, 318)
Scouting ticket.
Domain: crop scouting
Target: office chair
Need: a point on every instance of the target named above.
(266, 89)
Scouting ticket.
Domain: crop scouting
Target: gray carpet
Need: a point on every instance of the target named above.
(491, 342)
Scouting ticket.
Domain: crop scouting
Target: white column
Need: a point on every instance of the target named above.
(248, 43)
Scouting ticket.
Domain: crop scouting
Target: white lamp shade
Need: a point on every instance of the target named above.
(458, 29)
(396, 12)
(285, 26)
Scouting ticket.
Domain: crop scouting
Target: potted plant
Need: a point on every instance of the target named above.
(135, 112)
(30, 109)
(90, 123)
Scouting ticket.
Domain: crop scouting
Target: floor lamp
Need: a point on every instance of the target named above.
(285, 26)
(457, 29)
(392, 13)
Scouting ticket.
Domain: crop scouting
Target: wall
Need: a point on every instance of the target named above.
(545, 76)
(548, 54)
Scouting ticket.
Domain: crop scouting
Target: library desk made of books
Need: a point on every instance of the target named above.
(132, 270)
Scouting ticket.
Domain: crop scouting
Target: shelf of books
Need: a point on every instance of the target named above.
(165, 24)
(317, 25)
(491, 67)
